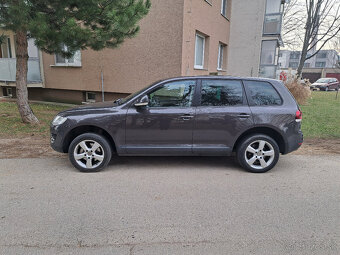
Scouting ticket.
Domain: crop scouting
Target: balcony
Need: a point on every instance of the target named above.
(8, 70)
(272, 24)
(268, 71)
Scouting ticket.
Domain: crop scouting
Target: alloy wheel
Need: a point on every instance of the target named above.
(89, 154)
(259, 154)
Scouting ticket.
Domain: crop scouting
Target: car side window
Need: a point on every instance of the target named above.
(221, 93)
(263, 93)
(173, 94)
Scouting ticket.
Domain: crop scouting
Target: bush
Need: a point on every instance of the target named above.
(300, 91)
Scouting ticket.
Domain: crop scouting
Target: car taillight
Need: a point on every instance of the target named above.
(298, 116)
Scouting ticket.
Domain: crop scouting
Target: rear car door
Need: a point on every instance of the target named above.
(221, 116)
(165, 126)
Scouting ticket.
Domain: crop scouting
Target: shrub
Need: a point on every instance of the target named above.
(300, 91)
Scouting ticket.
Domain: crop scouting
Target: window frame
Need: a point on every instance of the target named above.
(221, 48)
(204, 38)
(87, 97)
(224, 9)
(76, 63)
(162, 84)
(250, 100)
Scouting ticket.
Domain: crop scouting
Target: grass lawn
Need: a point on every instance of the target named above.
(321, 115)
(11, 125)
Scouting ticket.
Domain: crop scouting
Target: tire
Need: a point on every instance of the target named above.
(94, 152)
(253, 159)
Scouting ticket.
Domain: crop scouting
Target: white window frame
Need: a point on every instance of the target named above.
(224, 8)
(221, 48)
(76, 60)
(203, 37)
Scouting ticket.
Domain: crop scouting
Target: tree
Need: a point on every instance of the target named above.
(76, 24)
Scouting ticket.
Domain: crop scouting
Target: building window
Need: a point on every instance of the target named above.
(199, 51)
(268, 52)
(221, 54)
(321, 55)
(320, 64)
(306, 65)
(8, 92)
(295, 55)
(224, 8)
(273, 6)
(6, 48)
(90, 97)
(73, 61)
(293, 64)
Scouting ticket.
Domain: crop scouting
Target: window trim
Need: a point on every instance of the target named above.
(250, 100)
(225, 9)
(195, 65)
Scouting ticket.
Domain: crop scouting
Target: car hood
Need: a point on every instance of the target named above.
(90, 108)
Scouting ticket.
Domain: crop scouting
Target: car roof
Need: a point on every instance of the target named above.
(218, 77)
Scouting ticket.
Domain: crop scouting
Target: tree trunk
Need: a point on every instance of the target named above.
(25, 110)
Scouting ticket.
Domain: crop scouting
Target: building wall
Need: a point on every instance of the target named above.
(247, 17)
(204, 17)
(156, 53)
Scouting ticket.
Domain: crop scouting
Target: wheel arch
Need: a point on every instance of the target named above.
(266, 131)
(87, 129)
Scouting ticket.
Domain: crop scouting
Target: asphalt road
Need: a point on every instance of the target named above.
(170, 206)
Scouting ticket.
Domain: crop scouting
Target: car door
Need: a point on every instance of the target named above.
(333, 84)
(222, 115)
(165, 125)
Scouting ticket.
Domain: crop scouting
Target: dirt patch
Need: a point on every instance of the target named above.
(27, 147)
(39, 147)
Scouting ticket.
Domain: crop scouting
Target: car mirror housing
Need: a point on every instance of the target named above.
(144, 101)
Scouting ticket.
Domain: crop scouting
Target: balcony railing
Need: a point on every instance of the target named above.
(8, 70)
(272, 24)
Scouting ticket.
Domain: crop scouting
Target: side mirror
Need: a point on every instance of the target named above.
(144, 101)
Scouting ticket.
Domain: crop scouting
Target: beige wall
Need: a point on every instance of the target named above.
(205, 18)
(156, 53)
(245, 37)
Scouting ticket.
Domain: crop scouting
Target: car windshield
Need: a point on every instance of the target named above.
(136, 93)
(323, 80)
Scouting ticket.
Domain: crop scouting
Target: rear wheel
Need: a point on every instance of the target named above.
(258, 153)
(90, 152)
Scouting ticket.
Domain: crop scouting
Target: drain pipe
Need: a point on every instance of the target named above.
(102, 77)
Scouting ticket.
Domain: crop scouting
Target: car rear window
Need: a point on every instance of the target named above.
(262, 93)
(221, 93)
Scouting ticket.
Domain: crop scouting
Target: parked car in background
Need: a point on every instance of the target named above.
(326, 84)
(188, 116)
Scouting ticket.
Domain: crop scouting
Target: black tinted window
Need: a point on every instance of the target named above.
(263, 93)
(173, 94)
(221, 93)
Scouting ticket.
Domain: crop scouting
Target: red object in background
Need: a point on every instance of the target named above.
(283, 76)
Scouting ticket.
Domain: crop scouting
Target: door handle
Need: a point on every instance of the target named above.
(243, 115)
(186, 117)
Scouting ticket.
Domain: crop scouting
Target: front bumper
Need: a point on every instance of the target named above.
(56, 139)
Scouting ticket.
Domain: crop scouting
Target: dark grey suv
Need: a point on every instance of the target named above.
(203, 116)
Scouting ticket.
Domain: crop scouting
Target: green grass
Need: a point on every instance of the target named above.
(12, 126)
(321, 116)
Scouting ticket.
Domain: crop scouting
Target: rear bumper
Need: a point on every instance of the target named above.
(294, 142)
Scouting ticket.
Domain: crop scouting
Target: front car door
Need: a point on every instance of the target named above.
(222, 115)
(165, 125)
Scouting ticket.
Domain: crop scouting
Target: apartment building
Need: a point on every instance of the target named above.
(255, 37)
(177, 38)
(323, 59)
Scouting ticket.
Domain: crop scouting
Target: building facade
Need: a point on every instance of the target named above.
(323, 59)
(177, 38)
(255, 37)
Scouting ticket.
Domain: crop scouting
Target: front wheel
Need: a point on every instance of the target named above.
(90, 152)
(258, 153)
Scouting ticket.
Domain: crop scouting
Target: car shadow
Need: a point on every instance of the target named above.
(159, 162)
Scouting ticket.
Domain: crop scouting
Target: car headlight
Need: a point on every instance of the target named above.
(58, 120)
